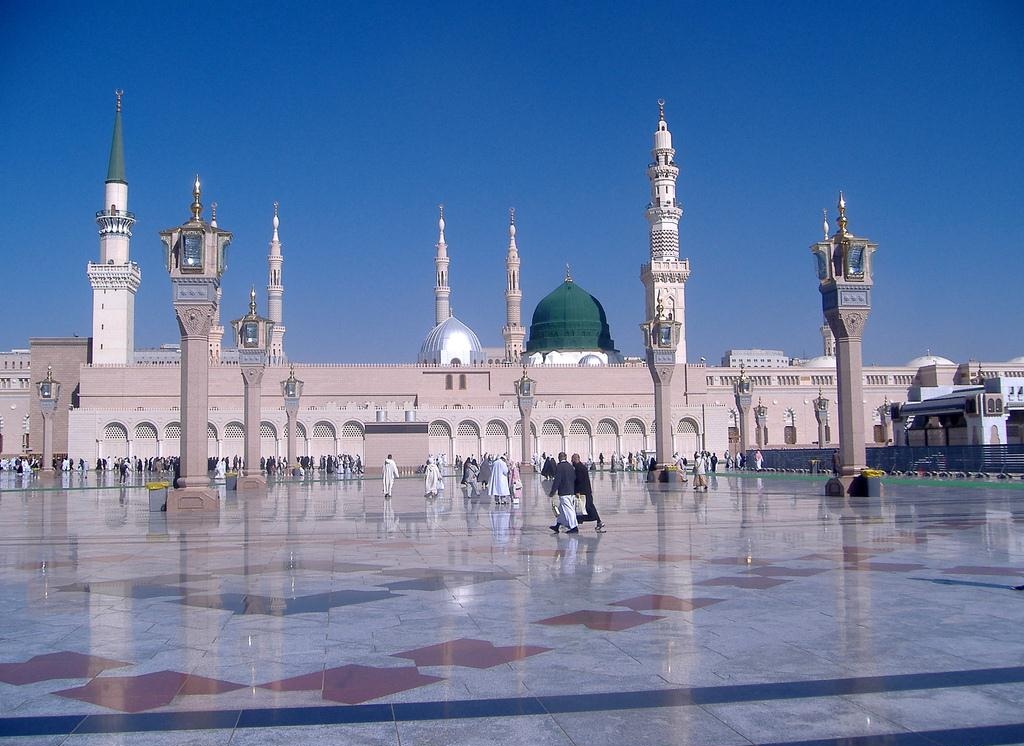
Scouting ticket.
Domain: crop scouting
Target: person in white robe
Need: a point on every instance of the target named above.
(497, 487)
(431, 479)
(389, 474)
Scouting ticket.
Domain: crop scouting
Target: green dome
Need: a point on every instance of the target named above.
(569, 318)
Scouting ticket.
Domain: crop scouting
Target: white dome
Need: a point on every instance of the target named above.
(1019, 360)
(451, 342)
(920, 362)
(822, 361)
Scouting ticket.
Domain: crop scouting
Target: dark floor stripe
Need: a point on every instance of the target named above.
(984, 735)
(539, 705)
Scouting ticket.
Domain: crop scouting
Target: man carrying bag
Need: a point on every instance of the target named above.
(564, 485)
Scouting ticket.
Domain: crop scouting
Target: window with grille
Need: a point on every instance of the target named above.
(211, 432)
(234, 430)
(114, 431)
(551, 428)
(633, 427)
(300, 430)
(468, 428)
(687, 427)
(267, 430)
(496, 428)
(462, 381)
(172, 431)
(604, 427)
(351, 430)
(323, 430)
(145, 431)
(579, 427)
(439, 430)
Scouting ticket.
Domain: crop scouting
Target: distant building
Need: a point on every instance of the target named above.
(754, 358)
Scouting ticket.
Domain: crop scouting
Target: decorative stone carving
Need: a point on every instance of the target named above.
(195, 320)
(847, 323)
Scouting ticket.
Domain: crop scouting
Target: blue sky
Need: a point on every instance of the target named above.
(360, 118)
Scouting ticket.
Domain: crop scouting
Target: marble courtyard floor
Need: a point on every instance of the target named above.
(759, 613)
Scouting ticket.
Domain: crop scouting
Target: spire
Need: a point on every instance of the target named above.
(568, 273)
(115, 169)
(252, 302)
(277, 222)
(661, 110)
(213, 214)
(440, 224)
(197, 206)
(842, 214)
(442, 292)
(824, 224)
(511, 228)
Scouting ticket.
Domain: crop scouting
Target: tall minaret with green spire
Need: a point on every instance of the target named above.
(114, 278)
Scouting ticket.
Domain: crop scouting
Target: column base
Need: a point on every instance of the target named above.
(252, 482)
(526, 468)
(193, 499)
(663, 475)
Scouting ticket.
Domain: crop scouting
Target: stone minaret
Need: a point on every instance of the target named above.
(275, 292)
(828, 341)
(514, 333)
(666, 274)
(442, 309)
(217, 329)
(115, 278)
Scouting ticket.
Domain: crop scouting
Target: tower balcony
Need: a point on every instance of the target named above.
(115, 222)
(665, 270)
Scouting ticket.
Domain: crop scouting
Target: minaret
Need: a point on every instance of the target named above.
(514, 333)
(828, 341)
(665, 276)
(275, 293)
(115, 278)
(442, 310)
(217, 329)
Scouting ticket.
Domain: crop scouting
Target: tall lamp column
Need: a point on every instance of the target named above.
(252, 333)
(291, 390)
(742, 393)
(844, 264)
(196, 256)
(821, 415)
(661, 338)
(49, 392)
(761, 423)
(525, 389)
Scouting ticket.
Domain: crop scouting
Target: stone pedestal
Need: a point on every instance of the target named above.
(526, 457)
(291, 411)
(47, 407)
(662, 366)
(252, 377)
(847, 326)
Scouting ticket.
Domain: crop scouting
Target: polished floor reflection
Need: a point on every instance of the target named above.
(757, 613)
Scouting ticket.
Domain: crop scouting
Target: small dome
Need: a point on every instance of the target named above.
(590, 360)
(924, 360)
(569, 318)
(451, 343)
(1019, 360)
(822, 361)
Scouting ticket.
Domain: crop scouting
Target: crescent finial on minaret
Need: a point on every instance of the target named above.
(512, 222)
(824, 224)
(276, 221)
(661, 109)
(252, 300)
(568, 273)
(213, 214)
(440, 222)
(842, 213)
(119, 93)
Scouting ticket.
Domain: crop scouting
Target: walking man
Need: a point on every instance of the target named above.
(564, 485)
(389, 474)
(583, 487)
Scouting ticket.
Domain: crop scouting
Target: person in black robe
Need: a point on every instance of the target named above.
(548, 470)
(584, 488)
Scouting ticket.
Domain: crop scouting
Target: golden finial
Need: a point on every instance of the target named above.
(661, 110)
(252, 301)
(276, 205)
(842, 214)
(824, 222)
(119, 93)
(49, 372)
(197, 206)
(568, 273)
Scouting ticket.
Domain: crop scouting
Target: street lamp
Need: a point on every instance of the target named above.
(291, 390)
(252, 333)
(821, 415)
(525, 388)
(742, 392)
(760, 421)
(49, 392)
(196, 256)
(844, 265)
(661, 338)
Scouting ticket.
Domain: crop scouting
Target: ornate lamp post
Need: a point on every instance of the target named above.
(252, 333)
(49, 392)
(742, 392)
(844, 264)
(885, 418)
(661, 338)
(291, 390)
(525, 388)
(760, 421)
(196, 256)
(821, 415)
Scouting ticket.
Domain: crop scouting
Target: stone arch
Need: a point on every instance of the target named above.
(115, 441)
(495, 437)
(634, 436)
(212, 441)
(578, 438)
(552, 437)
(439, 440)
(606, 439)
(352, 436)
(145, 443)
(687, 437)
(467, 439)
(517, 439)
(268, 440)
(324, 440)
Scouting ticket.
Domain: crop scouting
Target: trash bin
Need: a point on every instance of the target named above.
(231, 481)
(815, 466)
(157, 496)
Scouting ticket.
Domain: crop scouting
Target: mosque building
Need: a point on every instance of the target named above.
(589, 398)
